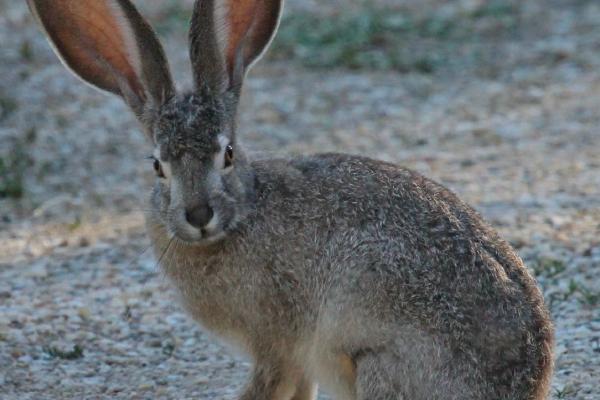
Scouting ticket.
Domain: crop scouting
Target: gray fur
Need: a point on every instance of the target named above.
(342, 255)
(207, 64)
(360, 275)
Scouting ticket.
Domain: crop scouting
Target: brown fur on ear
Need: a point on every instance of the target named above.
(109, 45)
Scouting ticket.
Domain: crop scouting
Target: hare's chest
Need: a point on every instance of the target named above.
(212, 296)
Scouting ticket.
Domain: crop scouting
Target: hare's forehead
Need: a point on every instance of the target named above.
(200, 148)
(190, 124)
(198, 133)
(178, 145)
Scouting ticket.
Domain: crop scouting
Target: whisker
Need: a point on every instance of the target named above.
(164, 252)
(137, 257)
(148, 210)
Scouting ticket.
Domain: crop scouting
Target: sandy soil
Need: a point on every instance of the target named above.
(85, 312)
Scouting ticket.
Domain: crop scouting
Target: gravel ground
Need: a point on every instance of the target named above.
(85, 312)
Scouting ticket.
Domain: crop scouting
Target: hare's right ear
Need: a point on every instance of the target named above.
(108, 44)
(227, 37)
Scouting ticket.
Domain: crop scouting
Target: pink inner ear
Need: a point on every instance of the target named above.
(265, 22)
(240, 18)
(252, 22)
(89, 36)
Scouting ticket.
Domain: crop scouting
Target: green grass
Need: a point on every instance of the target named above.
(25, 51)
(584, 295)
(551, 268)
(588, 296)
(548, 267)
(379, 38)
(168, 349)
(76, 224)
(74, 354)
(499, 9)
(375, 38)
(565, 393)
(173, 17)
(13, 165)
(372, 39)
(8, 105)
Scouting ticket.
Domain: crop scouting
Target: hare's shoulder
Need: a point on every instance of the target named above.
(362, 181)
(356, 191)
(339, 168)
(380, 199)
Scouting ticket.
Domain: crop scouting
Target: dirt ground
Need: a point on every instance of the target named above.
(508, 116)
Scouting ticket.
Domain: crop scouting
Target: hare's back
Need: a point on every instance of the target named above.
(393, 217)
(351, 193)
(411, 247)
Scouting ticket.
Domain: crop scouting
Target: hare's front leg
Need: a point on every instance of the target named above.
(278, 382)
(306, 389)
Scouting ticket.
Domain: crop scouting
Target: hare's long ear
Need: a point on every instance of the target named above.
(228, 36)
(108, 44)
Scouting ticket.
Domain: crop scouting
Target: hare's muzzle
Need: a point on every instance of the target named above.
(199, 216)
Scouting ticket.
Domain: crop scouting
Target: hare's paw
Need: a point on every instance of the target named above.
(273, 381)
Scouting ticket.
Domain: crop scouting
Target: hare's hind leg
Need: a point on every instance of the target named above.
(401, 376)
(376, 378)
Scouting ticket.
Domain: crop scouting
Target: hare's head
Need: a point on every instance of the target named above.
(202, 183)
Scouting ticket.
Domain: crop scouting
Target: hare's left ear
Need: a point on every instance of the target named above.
(109, 45)
(227, 37)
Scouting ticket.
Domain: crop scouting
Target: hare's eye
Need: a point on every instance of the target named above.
(228, 156)
(158, 169)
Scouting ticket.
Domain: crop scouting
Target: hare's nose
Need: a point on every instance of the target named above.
(199, 216)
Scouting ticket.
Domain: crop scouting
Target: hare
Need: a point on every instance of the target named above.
(331, 269)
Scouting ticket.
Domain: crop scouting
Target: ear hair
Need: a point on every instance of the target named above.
(207, 64)
(109, 45)
(226, 38)
(238, 73)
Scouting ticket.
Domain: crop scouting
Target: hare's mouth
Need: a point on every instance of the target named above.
(200, 237)
(187, 233)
